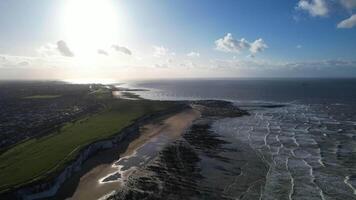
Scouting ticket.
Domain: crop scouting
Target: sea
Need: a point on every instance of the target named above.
(302, 130)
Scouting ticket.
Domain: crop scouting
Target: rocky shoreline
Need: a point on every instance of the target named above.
(178, 171)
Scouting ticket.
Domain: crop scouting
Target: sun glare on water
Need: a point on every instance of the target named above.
(89, 25)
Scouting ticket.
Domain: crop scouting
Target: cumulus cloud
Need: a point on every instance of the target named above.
(323, 8)
(348, 23)
(258, 46)
(229, 44)
(314, 7)
(103, 52)
(193, 54)
(64, 49)
(122, 49)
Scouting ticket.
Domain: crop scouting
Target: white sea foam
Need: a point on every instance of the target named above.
(297, 133)
(346, 181)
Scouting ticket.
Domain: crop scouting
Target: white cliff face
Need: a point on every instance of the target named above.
(48, 189)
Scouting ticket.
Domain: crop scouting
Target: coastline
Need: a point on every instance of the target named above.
(87, 185)
(181, 167)
(49, 187)
(120, 142)
(267, 154)
(159, 133)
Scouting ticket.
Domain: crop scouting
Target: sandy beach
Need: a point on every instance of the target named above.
(88, 184)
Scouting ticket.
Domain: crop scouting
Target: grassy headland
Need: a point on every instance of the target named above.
(40, 158)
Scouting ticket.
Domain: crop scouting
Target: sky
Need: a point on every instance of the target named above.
(152, 39)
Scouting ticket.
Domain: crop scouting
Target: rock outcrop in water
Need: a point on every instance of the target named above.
(217, 109)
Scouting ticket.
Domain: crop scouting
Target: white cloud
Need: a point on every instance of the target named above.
(103, 52)
(229, 44)
(188, 64)
(122, 49)
(60, 48)
(314, 7)
(323, 8)
(193, 54)
(169, 61)
(163, 65)
(160, 51)
(348, 4)
(348, 23)
(258, 46)
(299, 46)
(48, 50)
(14, 61)
(64, 49)
(23, 63)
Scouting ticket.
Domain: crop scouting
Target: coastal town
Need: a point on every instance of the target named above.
(34, 109)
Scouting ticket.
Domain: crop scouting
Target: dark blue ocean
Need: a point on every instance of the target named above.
(309, 145)
(276, 90)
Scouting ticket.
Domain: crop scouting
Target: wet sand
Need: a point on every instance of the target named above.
(106, 165)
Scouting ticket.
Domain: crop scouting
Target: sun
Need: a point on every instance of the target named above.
(88, 25)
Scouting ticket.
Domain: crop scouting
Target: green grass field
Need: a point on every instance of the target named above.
(42, 97)
(40, 158)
